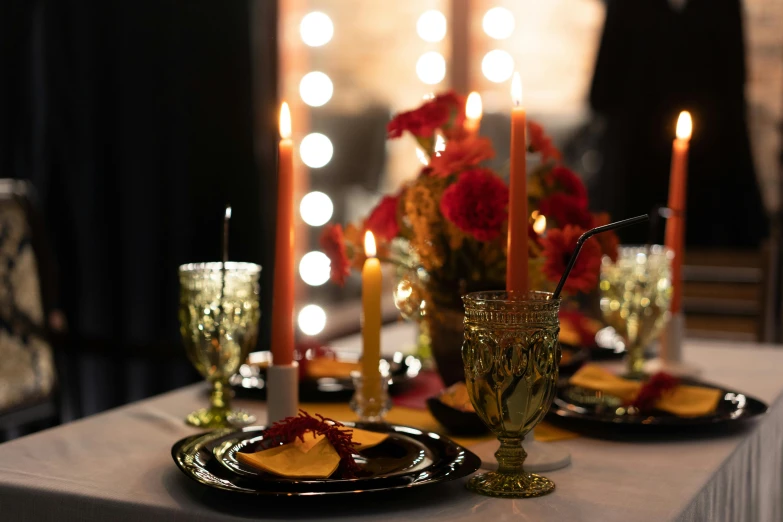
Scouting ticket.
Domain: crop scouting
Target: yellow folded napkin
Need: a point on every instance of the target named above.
(315, 457)
(683, 400)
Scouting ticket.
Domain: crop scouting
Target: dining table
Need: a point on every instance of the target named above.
(117, 465)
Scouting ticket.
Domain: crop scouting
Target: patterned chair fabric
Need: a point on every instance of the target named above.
(27, 369)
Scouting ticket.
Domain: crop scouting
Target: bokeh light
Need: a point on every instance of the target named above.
(431, 68)
(315, 89)
(316, 29)
(314, 268)
(431, 26)
(497, 66)
(312, 319)
(498, 23)
(316, 209)
(316, 150)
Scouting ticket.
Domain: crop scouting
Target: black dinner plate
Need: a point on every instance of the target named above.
(408, 458)
(250, 381)
(569, 409)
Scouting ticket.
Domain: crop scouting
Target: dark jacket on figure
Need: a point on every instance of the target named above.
(654, 61)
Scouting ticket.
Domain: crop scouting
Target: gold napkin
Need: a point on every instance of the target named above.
(683, 401)
(315, 457)
(323, 367)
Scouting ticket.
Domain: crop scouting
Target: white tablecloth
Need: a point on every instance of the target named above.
(117, 467)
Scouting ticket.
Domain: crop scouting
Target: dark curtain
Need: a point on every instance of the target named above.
(654, 61)
(136, 122)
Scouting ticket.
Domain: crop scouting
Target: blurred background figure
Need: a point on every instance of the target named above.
(656, 58)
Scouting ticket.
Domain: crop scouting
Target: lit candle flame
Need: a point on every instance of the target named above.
(473, 107)
(369, 244)
(516, 89)
(228, 212)
(684, 126)
(440, 144)
(539, 225)
(285, 121)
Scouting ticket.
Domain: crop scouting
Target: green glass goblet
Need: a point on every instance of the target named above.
(511, 357)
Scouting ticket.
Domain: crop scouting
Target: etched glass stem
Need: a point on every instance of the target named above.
(511, 456)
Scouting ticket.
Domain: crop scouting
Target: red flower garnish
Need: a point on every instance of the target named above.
(442, 111)
(382, 221)
(565, 180)
(559, 244)
(608, 240)
(477, 204)
(653, 390)
(292, 428)
(333, 244)
(461, 154)
(541, 143)
(565, 210)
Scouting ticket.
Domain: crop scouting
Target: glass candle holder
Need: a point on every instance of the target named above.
(511, 357)
(636, 292)
(371, 407)
(218, 315)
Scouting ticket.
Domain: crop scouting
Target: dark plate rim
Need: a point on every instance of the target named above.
(464, 464)
(753, 408)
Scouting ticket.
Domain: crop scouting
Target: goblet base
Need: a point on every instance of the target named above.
(211, 418)
(521, 485)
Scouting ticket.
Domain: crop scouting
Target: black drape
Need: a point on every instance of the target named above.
(135, 120)
(653, 62)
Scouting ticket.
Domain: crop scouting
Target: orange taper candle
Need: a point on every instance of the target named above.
(675, 225)
(473, 113)
(283, 285)
(517, 261)
(372, 283)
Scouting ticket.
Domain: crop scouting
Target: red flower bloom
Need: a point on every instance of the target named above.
(653, 390)
(540, 142)
(564, 180)
(477, 204)
(565, 210)
(559, 244)
(461, 154)
(333, 243)
(433, 114)
(607, 240)
(382, 221)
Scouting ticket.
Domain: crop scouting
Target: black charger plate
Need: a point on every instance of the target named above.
(412, 458)
(601, 419)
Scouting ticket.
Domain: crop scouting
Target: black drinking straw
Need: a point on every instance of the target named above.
(584, 237)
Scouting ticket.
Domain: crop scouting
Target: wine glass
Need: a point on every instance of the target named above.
(636, 292)
(511, 357)
(218, 315)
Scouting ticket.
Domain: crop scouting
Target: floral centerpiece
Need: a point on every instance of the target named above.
(447, 227)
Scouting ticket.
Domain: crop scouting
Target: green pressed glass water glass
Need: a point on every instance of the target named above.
(511, 357)
(218, 320)
(636, 293)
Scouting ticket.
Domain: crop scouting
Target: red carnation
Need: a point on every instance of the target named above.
(333, 244)
(432, 115)
(559, 244)
(565, 210)
(382, 221)
(477, 204)
(565, 180)
(541, 143)
(461, 154)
